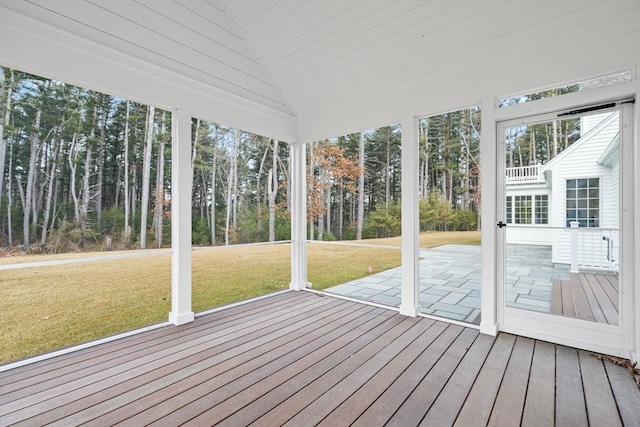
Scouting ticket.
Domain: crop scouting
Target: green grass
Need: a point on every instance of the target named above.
(47, 308)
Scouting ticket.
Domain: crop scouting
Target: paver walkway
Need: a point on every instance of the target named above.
(450, 281)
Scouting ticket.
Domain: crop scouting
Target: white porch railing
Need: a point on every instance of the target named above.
(524, 175)
(594, 248)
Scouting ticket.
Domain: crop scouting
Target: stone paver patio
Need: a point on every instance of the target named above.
(450, 281)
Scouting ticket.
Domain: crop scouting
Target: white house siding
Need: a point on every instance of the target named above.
(581, 162)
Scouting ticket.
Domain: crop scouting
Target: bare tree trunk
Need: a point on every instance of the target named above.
(72, 178)
(322, 179)
(328, 202)
(231, 186)
(146, 172)
(360, 188)
(235, 200)
(5, 120)
(10, 197)
(258, 199)
(272, 192)
(127, 200)
(387, 172)
(228, 207)
(86, 190)
(100, 159)
(158, 211)
(341, 212)
(213, 192)
(194, 151)
(50, 189)
(425, 164)
(28, 199)
(310, 189)
(555, 138)
(534, 153)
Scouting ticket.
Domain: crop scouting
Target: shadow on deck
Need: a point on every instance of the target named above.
(300, 359)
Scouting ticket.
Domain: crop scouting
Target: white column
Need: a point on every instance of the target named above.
(298, 217)
(181, 177)
(409, 305)
(489, 206)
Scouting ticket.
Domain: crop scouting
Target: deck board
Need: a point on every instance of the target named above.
(509, 404)
(608, 308)
(302, 359)
(586, 296)
(479, 404)
(570, 406)
(539, 407)
(580, 301)
(601, 407)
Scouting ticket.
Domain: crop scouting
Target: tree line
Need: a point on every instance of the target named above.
(82, 169)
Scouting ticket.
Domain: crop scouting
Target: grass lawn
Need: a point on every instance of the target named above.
(47, 308)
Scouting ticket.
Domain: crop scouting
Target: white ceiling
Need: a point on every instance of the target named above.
(344, 65)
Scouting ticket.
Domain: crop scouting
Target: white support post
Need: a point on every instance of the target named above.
(488, 209)
(574, 246)
(409, 305)
(181, 177)
(298, 217)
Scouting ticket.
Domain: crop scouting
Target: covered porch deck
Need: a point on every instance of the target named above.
(298, 358)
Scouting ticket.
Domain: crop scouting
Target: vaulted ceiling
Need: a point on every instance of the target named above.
(345, 65)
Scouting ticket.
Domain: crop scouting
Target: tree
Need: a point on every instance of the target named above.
(272, 192)
(146, 172)
(158, 211)
(332, 169)
(360, 188)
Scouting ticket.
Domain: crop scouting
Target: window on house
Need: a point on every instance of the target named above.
(541, 209)
(583, 202)
(509, 211)
(522, 209)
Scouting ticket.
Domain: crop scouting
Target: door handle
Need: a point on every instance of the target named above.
(501, 224)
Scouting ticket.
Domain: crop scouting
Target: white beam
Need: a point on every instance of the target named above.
(181, 180)
(488, 208)
(410, 218)
(298, 217)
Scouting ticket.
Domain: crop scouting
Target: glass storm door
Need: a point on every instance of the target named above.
(559, 229)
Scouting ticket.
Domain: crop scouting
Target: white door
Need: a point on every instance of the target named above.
(560, 235)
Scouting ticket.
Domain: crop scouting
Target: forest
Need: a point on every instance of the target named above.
(82, 170)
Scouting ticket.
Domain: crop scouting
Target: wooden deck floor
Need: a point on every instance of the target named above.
(302, 359)
(587, 296)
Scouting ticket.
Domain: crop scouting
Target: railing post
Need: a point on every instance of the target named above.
(574, 246)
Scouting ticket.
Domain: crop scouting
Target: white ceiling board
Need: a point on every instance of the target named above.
(310, 20)
(35, 47)
(256, 10)
(209, 11)
(443, 62)
(391, 105)
(160, 41)
(198, 24)
(279, 18)
(327, 38)
(368, 58)
(359, 63)
(397, 51)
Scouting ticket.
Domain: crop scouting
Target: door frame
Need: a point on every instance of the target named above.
(603, 338)
(562, 330)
